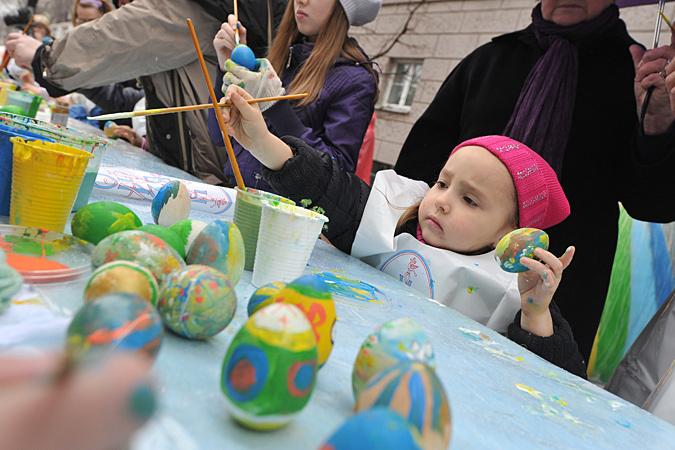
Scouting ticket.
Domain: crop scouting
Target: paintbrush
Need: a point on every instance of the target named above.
(236, 22)
(5, 57)
(219, 113)
(665, 19)
(176, 109)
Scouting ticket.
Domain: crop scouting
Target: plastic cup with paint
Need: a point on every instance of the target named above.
(45, 180)
(6, 156)
(59, 114)
(27, 102)
(286, 239)
(247, 210)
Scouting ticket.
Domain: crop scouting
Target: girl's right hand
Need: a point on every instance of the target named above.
(247, 125)
(224, 41)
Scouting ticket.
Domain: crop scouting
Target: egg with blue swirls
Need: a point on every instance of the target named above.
(171, 204)
(518, 244)
(221, 246)
(197, 302)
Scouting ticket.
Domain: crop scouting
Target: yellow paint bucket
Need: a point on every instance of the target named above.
(45, 179)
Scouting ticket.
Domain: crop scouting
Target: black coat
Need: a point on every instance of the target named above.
(607, 159)
(313, 175)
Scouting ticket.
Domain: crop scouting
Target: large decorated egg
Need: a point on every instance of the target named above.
(122, 277)
(270, 369)
(140, 247)
(187, 230)
(101, 219)
(167, 235)
(171, 204)
(312, 296)
(220, 246)
(263, 295)
(376, 428)
(197, 302)
(392, 342)
(413, 390)
(517, 244)
(114, 322)
(244, 56)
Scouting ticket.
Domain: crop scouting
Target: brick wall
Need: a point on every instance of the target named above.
(442, 32)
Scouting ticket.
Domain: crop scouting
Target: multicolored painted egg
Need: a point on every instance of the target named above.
(114, 322)
(376, 428)
(517, 244)
(263, 294)
(122, 277)
(99, 220)
(220, 246)
(167, 235)
(140, 247)
(270, 369)
(313, 297)
(392, 342)
(171, 204)
(413, 390)
(187, 230)
(197, 302)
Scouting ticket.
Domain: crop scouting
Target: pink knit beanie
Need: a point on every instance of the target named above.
(541, 200)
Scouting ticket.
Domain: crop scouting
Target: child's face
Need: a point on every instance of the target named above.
(312, 15)
(472, 205)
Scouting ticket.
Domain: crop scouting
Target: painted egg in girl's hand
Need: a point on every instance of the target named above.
(269, 371)
(171, 204)
(197, 302)
(517, 244)
(244, 56)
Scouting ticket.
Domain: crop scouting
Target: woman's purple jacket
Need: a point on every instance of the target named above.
(335, 123)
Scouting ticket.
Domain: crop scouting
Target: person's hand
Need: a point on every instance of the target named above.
(22, 48)
(92, 409)
(650, 71)
(128, 134)
(224, 42)
(263, 83)
(247, 125)
(537, 287)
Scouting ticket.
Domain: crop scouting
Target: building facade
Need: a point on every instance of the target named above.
(418, 43)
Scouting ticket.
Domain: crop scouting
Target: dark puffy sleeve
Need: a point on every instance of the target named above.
(560, 348)
(313, 175)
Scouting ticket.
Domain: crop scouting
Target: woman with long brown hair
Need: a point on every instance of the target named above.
(312, 52)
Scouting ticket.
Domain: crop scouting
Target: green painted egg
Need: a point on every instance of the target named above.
(101, 219)
(187, 230)
(220, 246)
(167, 235)
(140, 247)
(197, 302)
(269, 371)
(518, 244)
(122, 276)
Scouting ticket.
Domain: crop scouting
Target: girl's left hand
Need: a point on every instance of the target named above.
(263, 83)
(538, 284)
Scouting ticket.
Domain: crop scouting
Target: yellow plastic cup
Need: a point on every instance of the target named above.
(45, 179)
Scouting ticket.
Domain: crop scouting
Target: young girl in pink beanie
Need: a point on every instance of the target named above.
(441, 240)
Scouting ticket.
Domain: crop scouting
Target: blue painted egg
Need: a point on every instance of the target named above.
(392, 342)
(220, 246)
(376, 428)
(413, 390)
(269, 371)
(244, 56)
(171, 204)
(518, 244)
(114, 322)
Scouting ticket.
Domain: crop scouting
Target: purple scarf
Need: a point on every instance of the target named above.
(542, 117)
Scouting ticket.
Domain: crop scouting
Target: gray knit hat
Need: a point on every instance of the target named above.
(361, 12)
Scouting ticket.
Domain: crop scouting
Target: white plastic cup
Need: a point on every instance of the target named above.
(286, 239)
